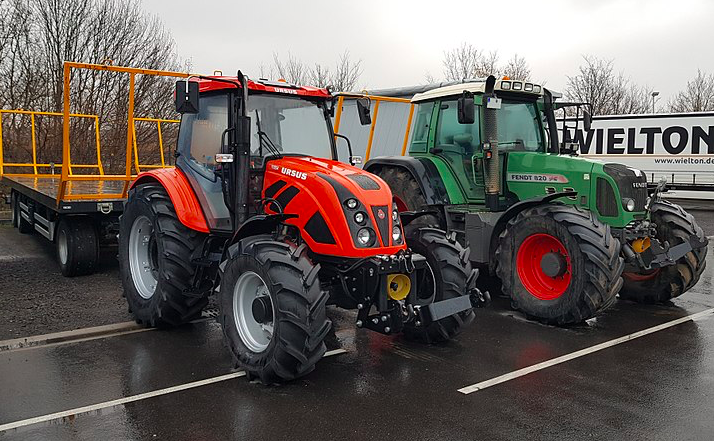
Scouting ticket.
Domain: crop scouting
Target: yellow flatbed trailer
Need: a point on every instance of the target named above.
(77, 212)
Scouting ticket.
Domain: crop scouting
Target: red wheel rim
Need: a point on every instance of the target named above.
(528, 261)
(401, 206)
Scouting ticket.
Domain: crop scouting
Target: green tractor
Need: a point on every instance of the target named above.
(562, 234)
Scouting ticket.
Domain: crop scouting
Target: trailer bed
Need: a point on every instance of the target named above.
(45, 190)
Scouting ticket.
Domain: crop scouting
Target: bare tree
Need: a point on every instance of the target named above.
(517, 69)
(39, 35)
(320, 75)
(608, 92)
(487, 65)
(697, 96)
(346, 73)
(291, 70)
(461, 62)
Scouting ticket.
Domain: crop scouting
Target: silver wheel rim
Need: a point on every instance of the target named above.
(423, 301)
(143, 267)
(62, 247)
(255, 335)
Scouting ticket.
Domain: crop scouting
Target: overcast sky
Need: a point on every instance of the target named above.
(659, 44)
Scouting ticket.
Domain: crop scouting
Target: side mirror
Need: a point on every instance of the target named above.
(186, 96)
(363, 105)
(587, 120)
(466, 108)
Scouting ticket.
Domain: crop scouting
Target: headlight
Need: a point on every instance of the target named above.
(395, 215)
(364, 236)
(629, 204)
(359, 217)
(396, 234)
(351, 203)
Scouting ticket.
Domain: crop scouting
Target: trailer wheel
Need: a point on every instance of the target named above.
(23, 226)
(155, 266)
(77, 246)
(407, 194)
(447, 275)
(674, 225)
(272, 309)
(559, 264)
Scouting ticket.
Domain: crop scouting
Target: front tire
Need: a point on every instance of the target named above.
(272, 309)
(155, 266)
(448, 275)
(674, 225)
(559, 264)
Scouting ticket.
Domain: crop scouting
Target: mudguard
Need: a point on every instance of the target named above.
(182, 196)
(423, 171)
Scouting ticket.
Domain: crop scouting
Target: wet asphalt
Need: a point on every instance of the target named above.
(658, 387)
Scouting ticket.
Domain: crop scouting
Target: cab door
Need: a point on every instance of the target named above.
(459, 145)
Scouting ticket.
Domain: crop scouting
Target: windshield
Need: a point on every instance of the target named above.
(518, 126)
(291, 125)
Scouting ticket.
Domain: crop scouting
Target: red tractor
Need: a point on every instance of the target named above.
(259, 211)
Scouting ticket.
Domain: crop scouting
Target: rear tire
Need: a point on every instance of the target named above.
(156, 283)
(448, 275)
(289, 343)
(77, 246)
(674, 225)
(589, 264)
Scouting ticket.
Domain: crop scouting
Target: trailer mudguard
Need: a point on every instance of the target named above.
(182, 196)
(422, 169)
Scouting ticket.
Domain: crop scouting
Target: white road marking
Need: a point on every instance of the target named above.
(77, 335)
(567, 357)
(118, 402)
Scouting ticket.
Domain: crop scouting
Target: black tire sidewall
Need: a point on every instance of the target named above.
(137, 206)
(527, 227)
(234, 269)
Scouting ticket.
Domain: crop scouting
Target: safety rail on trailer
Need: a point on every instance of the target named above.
(76, 205)
(377, 100)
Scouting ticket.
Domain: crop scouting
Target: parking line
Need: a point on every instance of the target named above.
(99, 406)
(562, 359)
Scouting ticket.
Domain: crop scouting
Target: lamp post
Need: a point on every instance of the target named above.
(654, 94)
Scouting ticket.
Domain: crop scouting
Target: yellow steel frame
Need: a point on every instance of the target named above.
(67, 167)
(375, 113)
(158, 122)
(33, 145)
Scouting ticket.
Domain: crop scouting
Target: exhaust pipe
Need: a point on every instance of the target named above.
(490, 146)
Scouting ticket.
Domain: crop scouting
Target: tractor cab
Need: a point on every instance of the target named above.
(285, 120)
(442, 132)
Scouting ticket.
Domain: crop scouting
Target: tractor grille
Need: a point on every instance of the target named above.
(606, 201)
(630, 183)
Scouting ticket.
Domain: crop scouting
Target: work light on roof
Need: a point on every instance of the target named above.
(517, 85)
(505, 85)
(528, 87)
(536, 88)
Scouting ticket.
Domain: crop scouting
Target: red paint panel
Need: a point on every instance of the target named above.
(317, 194)
(206, 85)
(182, 196)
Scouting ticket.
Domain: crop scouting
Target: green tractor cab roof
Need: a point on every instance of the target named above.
(479, 86)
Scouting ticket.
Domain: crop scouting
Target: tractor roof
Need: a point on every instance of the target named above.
(479, 86)
(206, 84)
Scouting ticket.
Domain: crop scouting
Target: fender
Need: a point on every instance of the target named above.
(423, 171)
(260, 224)
(182, 196)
